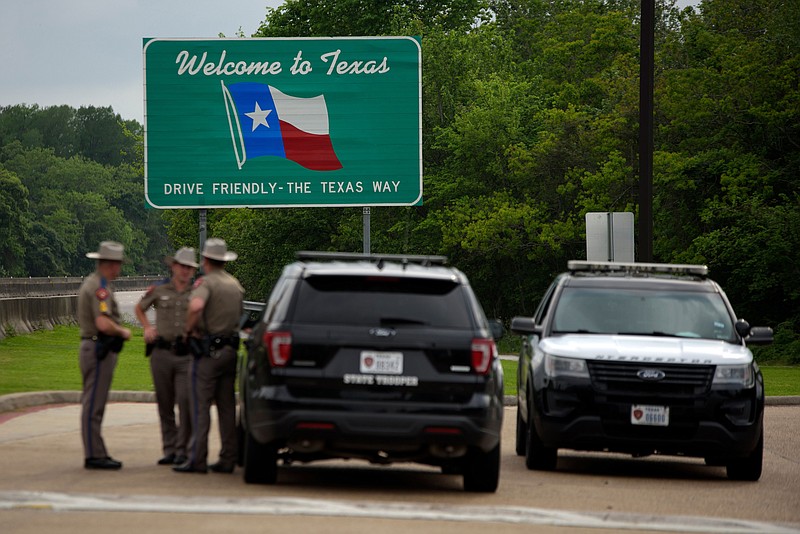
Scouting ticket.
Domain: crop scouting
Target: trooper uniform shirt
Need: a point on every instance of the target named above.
(95, 297)
(223, 295)
(170, 305)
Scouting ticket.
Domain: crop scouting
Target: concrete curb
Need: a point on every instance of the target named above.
(20, 401)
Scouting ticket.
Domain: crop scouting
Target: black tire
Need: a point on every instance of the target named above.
(482, 470)
(521, 434)
(260, 461)
(749, 467)
(537, 456)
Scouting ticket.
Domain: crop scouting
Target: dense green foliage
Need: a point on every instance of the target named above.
(530, 120)
(68, 180)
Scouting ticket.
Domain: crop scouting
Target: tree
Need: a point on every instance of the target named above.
(103, 137)
(13, 211)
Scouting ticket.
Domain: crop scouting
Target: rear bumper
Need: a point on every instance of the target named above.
(374, 426)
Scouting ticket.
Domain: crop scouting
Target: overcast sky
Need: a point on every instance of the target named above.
(89, 52)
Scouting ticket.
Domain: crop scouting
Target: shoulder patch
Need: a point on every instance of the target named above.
(197, 283)
(101, 293)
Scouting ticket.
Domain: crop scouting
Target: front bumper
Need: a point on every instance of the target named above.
(721, 423)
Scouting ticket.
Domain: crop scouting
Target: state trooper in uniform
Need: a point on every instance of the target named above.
(212, 329)
(169, 354)
(102, 337)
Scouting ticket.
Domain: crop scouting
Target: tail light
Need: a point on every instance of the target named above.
(279, 347)
(483, 352)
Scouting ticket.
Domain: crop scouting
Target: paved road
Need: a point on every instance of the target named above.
(127, 300)
(43, 488)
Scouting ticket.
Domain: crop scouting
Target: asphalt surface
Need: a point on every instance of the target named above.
(43, 487)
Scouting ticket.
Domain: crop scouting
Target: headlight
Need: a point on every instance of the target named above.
(556, 366)
(735, 375)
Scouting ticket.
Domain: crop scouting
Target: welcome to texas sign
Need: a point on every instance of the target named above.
(282, 122)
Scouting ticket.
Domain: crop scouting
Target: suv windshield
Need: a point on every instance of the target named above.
(381, 301)
(646, 312)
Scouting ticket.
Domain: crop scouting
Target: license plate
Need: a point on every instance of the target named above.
(384, 363)
(646, 414)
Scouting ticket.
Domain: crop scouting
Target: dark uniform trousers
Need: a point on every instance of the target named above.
(171, 381)
(213, 379)
(97, 376)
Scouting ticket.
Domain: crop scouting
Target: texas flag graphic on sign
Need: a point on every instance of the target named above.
(266, 122)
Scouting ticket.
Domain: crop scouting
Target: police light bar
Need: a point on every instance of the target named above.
(628, 267)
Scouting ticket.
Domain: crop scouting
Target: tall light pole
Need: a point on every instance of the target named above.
(646, 131)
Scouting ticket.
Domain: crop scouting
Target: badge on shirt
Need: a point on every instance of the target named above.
(102, 296)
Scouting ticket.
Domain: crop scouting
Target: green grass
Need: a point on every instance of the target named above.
(48, 360)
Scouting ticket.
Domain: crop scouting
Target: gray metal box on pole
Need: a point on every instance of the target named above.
(609, 236)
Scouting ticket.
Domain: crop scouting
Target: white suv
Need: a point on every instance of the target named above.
(640, 358)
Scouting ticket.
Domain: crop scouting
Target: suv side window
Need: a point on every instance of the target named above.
(544, 305)
(279, 300)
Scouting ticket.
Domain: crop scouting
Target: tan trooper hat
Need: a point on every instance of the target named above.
(184, 256)
(217, 249)
(109, 250)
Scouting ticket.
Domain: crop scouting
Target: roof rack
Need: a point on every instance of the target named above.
(427, 261)
(632, 267)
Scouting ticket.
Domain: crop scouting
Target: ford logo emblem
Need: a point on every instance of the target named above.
(382, 332)
(651, 374)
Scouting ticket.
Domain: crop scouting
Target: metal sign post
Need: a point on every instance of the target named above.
(366, 218)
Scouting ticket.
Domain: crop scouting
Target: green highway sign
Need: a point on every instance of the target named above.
(286, 122)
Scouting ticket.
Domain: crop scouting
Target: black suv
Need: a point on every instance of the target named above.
(385, 358)
(640, 358)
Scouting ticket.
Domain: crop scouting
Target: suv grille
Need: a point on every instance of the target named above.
(622, 378)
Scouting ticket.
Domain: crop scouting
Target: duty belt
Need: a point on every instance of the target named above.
(219, 341)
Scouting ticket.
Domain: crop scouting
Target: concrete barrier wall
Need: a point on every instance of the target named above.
(67, 285)
(25, 314)
(28, 304)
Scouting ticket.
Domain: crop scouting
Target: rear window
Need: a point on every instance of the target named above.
(381, 301)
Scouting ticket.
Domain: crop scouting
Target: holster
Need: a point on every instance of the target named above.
(199, 347)
(104, 344)
(181, 347)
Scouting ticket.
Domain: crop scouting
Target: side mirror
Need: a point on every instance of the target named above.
(497, 328)
(760, 335)
(524, 326)
(251, 314)
(754, 335)
(742, 328)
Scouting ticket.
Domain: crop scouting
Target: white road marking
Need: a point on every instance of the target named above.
(64, 502)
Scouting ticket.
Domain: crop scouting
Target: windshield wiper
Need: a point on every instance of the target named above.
(654, 333)
(579, 331)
